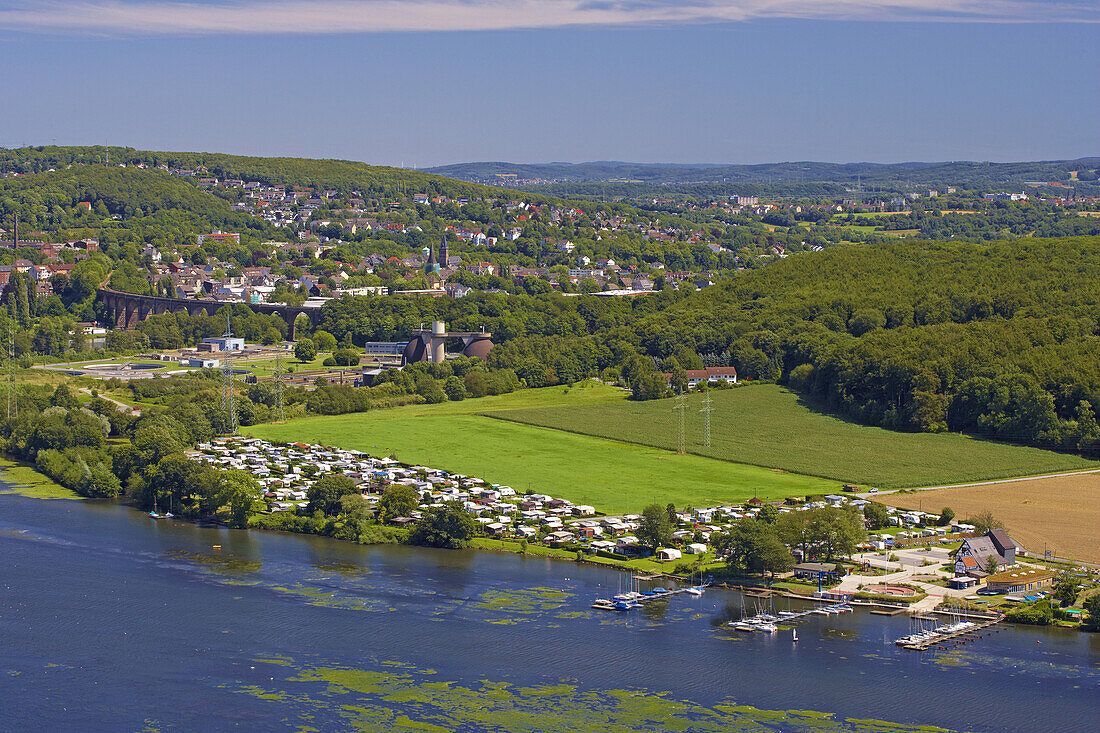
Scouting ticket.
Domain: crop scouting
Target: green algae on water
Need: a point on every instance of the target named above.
(523, 600)
(400, 697)
(222, 564)
(24, 480)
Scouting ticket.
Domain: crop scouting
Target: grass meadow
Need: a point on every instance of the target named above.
(613, 476)
(769, 426)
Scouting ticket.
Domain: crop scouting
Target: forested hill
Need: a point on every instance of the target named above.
(339, 175)
(964, 174)
(1000, 339)
(127, 205)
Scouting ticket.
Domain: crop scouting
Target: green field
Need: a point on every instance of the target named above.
(767, 425)
(265, 366)
(610, 475)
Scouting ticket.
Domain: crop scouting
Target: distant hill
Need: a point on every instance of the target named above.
(341, 175)
(964, 174)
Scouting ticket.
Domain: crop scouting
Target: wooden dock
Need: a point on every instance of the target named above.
(925, 644)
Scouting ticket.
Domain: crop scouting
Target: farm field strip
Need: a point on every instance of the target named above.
(768, 426)
(1060, 513)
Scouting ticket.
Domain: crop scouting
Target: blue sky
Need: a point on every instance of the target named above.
(725, 81)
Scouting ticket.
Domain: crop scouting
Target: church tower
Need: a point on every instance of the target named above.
(444, 252)
(431, 265)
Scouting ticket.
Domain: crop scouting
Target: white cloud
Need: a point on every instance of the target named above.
(149, 17)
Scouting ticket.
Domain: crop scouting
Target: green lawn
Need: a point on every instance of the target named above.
(766, 425)
(610, 475)
(265, 366)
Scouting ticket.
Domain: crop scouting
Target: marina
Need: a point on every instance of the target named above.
(636, 598)
(961, 630)
(252, 626)
(769, 622)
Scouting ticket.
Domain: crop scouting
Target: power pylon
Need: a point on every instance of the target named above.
(280, 413)
(229, 400)
(680, 407)
(13, 401)
(706, 419)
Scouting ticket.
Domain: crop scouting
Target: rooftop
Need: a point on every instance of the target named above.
(1021, 576)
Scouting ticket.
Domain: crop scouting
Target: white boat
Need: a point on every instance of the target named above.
(743, 625)
(695, 591)
(787, 614)
(769, 628)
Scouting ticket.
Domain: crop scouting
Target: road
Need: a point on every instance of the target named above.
(911, 565)
(868, 495)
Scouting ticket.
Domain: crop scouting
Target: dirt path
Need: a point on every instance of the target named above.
(122, 407)
(866, 495)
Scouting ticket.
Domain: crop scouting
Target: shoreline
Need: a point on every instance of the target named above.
(54, 491)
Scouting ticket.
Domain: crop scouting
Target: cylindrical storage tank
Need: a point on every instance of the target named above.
(438, 353)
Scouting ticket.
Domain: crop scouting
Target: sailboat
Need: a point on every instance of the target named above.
(695, 590)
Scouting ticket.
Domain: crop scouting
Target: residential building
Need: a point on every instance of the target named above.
(977, 553)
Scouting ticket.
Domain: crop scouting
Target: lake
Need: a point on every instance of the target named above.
(110, 620)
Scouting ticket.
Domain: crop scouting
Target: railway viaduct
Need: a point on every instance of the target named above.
(127, 309)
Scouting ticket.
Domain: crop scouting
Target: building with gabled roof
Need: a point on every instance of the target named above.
(975, 553)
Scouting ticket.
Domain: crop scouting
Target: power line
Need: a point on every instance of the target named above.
(13, 401)
(706, 419)
(229, 402)
(280, 413)
(680, 407)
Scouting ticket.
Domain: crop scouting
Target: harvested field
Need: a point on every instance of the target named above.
(1061, 512)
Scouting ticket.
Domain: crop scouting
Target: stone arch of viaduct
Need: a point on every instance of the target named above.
(127, 310)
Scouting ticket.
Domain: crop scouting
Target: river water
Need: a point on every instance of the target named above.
(112, 621)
